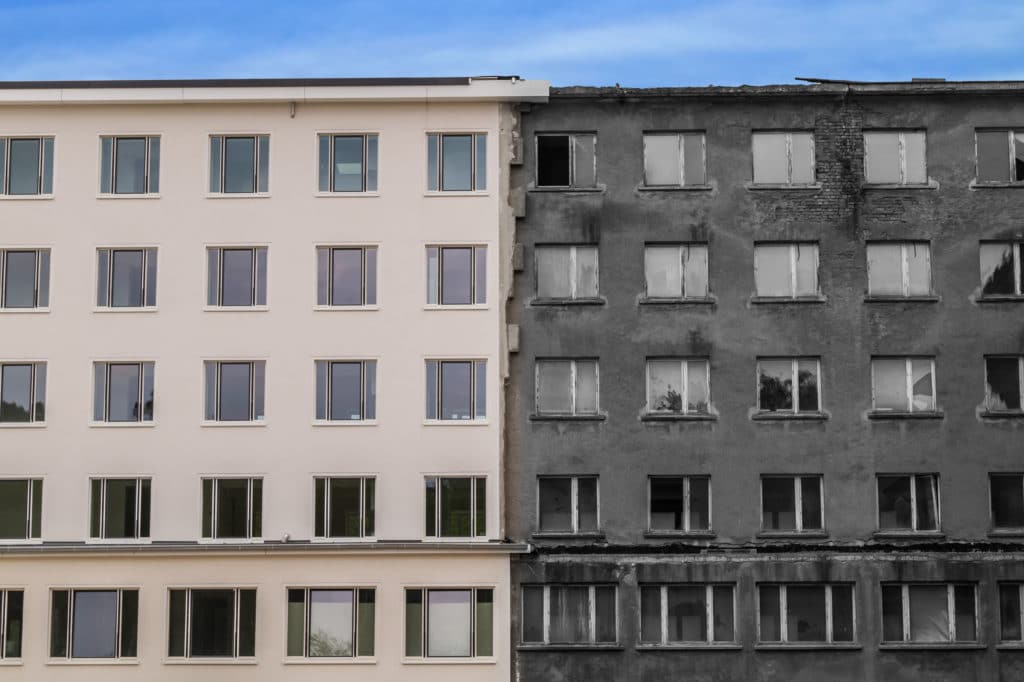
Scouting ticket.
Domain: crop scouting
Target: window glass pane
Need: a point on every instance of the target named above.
(993, 156)
(120, 508)
(997, 276)
(554, 274)
(803, 158)
(94, 633)
(234, 391)
(687, 614)
(456, 276)
(555, 504)
(1008, 501)
(697, 387)
(665, 386)
(123, 393)
(330, 623)
(586, 494)
(693, 158)
(3, 166)
(213, 622)
(663, 271)
(586, 387)
(236, 278)
(261, 276)
(347, 281)
(650, 614)
(1009, 613)
(569, 609)
(20, 279)
(770, 623)
(1002, 377)
(777, 498)
(344, 512)
(456, 390)
(894, 503)
(533, 614)
(929, 613)
(695, 271)
(806, 269)
(584, 169)
(807, 378)
(882, 157)
(667, 503)
(59, 624)
(914, 152)
(889, 384)
(126, 279)
(554, 386)
(484, 622)
(348, 163)
(724, 615)
(775, 379)
(805, 613)
(457, 162)
(772, 270)
(296, 622)
(239, 164)
(16, 393)
(963, 606)
(919, 270)
(480, 512)
(151, 260)
(480, 284)
(771, 163)
(346, 391)
(23, 174)
(885, 269)
(552, 160)
(480, 179)
(924, 398)
(366, 617)
(456, 507)
(414, 622)
(810, 502)
(12, 633)
(176, 623)
(605, 621)
(892, 613)
(370, 389)
(700, 503)
(247, 622)
(842, 613)
(232, 508)
(449, 619)
(13, 509)
(1018, 156)
(586, 271)
(927, 502)
(130, 174)
(95, 507)
(662, 160)
(432, 162)
(40, 392)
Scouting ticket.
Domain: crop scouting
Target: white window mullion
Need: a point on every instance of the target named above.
(663, 592)
(795, 369)
(829, 634)
(117, 623)
(783, 614)
(234, 639)
(793, 256)
(798, 507)
(103, 507)
(905, 605)
(575, 502)
(546, 601)
(684, 388)
(1017, 267)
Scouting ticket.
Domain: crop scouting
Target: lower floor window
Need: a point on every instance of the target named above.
(456, 507)
(330, 622)
(12, 604)
(1011, 627)
(449, 623)
(94, 624)
(686, 614)
(928, 613)
(215, 623)
(21, 508)
(822, 614)
(569, 614)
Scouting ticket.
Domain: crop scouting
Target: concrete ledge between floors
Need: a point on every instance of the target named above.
(264, 548)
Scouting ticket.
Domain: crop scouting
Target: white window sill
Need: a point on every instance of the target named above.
(118, 309)
(455, 422)
(368, 539)
(919, 646)
(10, 662)
(808, 186)
(127, 196)
(328, 660)
(238, 195)
(230, 541)
(345, 422)
(426, 660)
(22, 311)
(806, 646)
(225, 660)
(93, 661)
(122, 425)
(471, 306)
(456, 193)
(22, 425)
(344, 308)
(119, 541)
(931, 184)
(691, 646)
(675, 188)
(236, 308)
(230, 425)
(346, 195)
(480, 539)
(26, 197)
(1008, 184)
(26, 541)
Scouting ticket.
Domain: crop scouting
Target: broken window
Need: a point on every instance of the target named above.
(456, 389)
(566, 272)
(678, 386)
(791, 503)
(23, 392)
(346, 276)
(1000, 156)
(1004, 377)
(899, 269)
(674, 159)
(686, 614)
(456, 275)
(798, 613)
(1011, 627)
(1002, 273)
(567, 504)
(783, 158)
(566, 160)
(456, 507)
(25, 278)
(570, 614)
(903, 384)
(676, 270)
(776, 392)
(1007, 495)
(680, 504)
(895, 157)
(786, 270)
(938, 612)
(908, 503)
(567, 387)
(456, 162)
(26, 166)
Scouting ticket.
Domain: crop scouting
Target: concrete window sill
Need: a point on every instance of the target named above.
(568, 417)
(567, 301)
(995, 185)
(696, 646)
(809, 646)
(908, 535)
(1002, 415)
(675, 188)
(676, 417)
(931, 184)
(351, 660)
(456, 193)
(570, 647)
(567, 535)
(16, 311)
(789, 416)
(1010, 646)
(710, 300)
(600, 189)
(885, 416)
(792, 534)
(874, 298)
(679, 535)
(1006, 533)
(931, 646)
(774, 186)
(761, 300)
(1000, 298)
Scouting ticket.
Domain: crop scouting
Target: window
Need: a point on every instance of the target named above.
(456, 162)
(908, 503)
(21, 508)
(566, 272)
(783, 158)
(25, 278)
(344, 507)
(120, 508)
(796, 613)
(456, 275)
(126, 278)
(212, 623)
(12, 606)
(567, 160)
(348, 163)
(346, 390)
(674, 159)
(122, 392)
(567, 388)
(792, 504)
(1007, 495)
(94, 624)
(237, 276)
(687, 614)
(678, 386)
(567, 504)
(456, 507)
(130, 165)
(330, 623)
(903, 384)
(1010, 628)
(22, 392)
(570, 614)
(449, 623)
(675, 271)
(456, 390)
(928, 613)
(232, 508)
(775, 385)
(346, 276)
(679, 504)
(239, 164)
(786, 270)
(895, 157)
(1004, 377)
(1001, 270)
(26, 166)
(899, 269)
(234, 390)
(1000, 155)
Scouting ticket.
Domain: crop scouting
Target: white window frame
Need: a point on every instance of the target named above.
(950, 610)
(1017, 250)
(680, 138)
(904, 267)
(150, 259)
(572, 158)
(784, 614)
(1011, 159)
(914, 522)
(574, 279)
(364, 401)
(902, 152)
(187, 655)
(331, 191)
(39, 278)
(681, 248)
(33, 535)
(103, 509)
(795, 391)
(909, 376)
(478, 257)
(41, 180)
(685, 386)
(709, 603)
(329, 249)
(355, 623)
(249, 516)
(221, 172)
(798, 496)
(575, 502)
(253, 417)
(141, 365)
(1020, 383)
(326, 517)
(592, 616)
(794, 255)
(686, 505)
(111, 171)
(474, 520)
(254, 280)
(572, 386)
(425, 622)
(789, 156)
(5, 595)
(33, 392)
(437, 170)
(69, 641)
(478, 365)
(1020, 610)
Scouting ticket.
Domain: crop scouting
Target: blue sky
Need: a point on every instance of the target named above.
(590, 43)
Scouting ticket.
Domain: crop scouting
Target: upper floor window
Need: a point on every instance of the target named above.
(899, 269)
(570, 614)
(21, 508)
(26, 166)
(1004, 379)
(895, 157)
(239, 164)
(1010, 613)
(456, 507)
(675, 271)
(567, 160)
(567, 387)
(679, 504)
(12, 607)
(346, 390)
(929, 612)
(797, 613)
(456, 390)
(344, 507)
(123, 392)
(566, 272)
(1000, 155)
(792, 504)
(456, 275)
(1002, 273)
(567, 504)
(22, 392)
(908, 502)
(346, 276)
(1007, 499)
(234, 390)
(130, 165)
(674, 159)
(783, 158)
(678, 386)
(348, 163)
(687, 614)
(119, 508)
(784, 270)
(25, 278)
(232, 508)
(236, 276)
(94, 624)
(330, 622)
(789, 385)
(903, 384)
(212, 623)
(456, 162)
(126, 278)
(449, 623)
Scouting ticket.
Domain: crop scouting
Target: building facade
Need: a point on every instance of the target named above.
(251, 365)
(764, 418)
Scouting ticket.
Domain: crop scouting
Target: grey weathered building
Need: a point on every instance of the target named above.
(848, 524)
